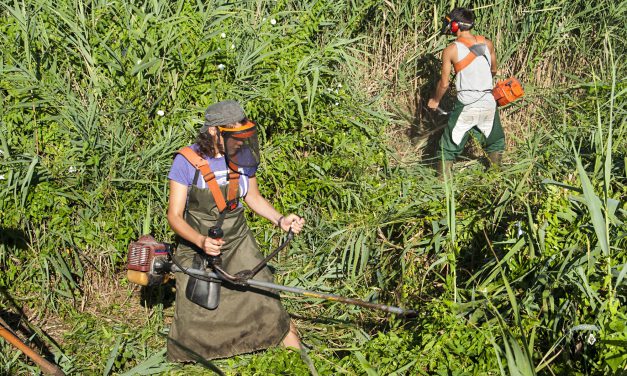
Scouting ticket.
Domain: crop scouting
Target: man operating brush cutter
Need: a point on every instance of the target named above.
(474, 61)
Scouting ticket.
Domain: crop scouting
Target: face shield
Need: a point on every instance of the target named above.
(446, 26)
(241, 148)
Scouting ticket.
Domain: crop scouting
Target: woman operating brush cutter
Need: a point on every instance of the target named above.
(208, 182)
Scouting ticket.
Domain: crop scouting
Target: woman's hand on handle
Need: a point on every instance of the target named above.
(210, 246)
(176, 210)
(292, 221)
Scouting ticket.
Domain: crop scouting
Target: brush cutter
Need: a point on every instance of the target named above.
(296, 290)
(441, 111)
(150, 263)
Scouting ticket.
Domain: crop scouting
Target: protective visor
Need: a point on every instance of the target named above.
(446, 26)
(241, 147)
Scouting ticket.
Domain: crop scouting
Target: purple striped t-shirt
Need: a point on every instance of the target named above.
(183, 172)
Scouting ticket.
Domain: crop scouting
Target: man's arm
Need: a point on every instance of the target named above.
(443, 83)
(493, 66)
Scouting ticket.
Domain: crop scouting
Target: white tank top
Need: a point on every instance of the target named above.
(474, 83)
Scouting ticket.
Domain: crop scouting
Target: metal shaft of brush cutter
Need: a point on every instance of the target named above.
(308, 293)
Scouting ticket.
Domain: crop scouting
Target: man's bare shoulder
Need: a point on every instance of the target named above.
(449, 51)
(486, 40)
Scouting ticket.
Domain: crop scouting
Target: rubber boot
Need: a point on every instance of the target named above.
(445, 168)
(495, 158)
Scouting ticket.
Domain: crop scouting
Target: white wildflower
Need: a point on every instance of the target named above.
(71, 170)
(337, 103)
(520, 231)
(223, 35)
(591, 339)
(273, 21)
(139, 61)
(160, 112)
(339, 85)
(221, 66)
(232, 46)
(2, 177)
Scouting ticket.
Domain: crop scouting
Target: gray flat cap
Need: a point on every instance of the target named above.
(222, 113)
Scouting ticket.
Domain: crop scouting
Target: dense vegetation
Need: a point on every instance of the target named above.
(519, 271)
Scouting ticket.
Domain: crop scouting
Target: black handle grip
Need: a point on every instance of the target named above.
(215, 232)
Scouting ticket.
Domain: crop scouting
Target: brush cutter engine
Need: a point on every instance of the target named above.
(149, 261)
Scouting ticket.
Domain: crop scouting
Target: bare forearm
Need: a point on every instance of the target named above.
(261, 206)
(434, 102)
(257, 203)
(176, 210)
(440, 90)
(184, 230)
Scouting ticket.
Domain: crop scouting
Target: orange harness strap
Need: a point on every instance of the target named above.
(463, 63)
(203, 166)
(233, 186)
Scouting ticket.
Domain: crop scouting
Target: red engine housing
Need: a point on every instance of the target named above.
(142, 252)
(148, 261)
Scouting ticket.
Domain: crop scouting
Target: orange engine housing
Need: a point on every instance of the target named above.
(507, 91)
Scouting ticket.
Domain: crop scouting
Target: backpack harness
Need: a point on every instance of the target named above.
(476, 49)
(202, 166)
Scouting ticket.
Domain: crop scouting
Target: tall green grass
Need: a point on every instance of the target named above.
(516, 272)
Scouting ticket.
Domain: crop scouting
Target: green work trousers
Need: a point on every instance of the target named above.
(494, 141)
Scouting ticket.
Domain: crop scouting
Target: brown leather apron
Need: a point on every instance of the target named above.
(247, 319)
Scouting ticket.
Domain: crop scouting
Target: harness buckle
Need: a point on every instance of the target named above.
(232, 204)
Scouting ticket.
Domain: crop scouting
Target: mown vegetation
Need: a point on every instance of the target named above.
(515, 272)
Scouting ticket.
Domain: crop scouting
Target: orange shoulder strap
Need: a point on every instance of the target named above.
(233, 186)
(463, 63)
(203, 166)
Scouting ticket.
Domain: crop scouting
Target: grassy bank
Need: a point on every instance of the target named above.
(514, 272)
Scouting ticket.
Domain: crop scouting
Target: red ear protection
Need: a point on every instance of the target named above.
(450, 26)
(454, 26)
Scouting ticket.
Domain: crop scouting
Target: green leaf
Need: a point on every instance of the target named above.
(365, 365)
(112, 356)
(593, 203)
